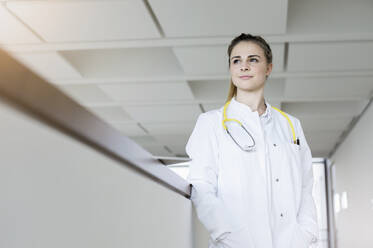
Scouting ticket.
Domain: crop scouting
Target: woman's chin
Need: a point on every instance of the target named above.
(251, 87)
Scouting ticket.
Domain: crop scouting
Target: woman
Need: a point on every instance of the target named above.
(251, 167)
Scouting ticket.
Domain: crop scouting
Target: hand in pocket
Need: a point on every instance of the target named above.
(240, 238)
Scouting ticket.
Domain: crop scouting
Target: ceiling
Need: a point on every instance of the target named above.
(149, 68)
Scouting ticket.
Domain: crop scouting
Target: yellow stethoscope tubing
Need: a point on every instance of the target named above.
(290, 123)
(281, 112)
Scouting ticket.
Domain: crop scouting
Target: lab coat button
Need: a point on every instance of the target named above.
(282, 215)
(274, 145)
(277, 179)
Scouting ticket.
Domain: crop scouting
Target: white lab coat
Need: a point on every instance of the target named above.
(241, 202)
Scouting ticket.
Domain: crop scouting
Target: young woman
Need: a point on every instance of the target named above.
(251, 167)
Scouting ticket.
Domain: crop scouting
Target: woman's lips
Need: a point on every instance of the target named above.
(246, 77)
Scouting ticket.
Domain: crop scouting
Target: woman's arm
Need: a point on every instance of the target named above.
(307, 216)
(203, 175)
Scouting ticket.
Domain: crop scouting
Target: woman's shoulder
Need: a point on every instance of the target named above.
(209, 121)
(211, 116)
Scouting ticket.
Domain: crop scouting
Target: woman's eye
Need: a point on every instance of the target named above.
(254, 60)
(235, 61)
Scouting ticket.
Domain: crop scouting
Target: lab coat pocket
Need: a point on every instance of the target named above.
(295, 151)
(238, 238)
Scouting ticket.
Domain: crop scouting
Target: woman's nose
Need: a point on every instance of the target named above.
(245, 66)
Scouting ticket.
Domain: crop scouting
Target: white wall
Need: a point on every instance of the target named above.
(354, 175)
(58, 193)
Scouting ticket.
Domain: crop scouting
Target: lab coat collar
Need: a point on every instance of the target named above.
(244, 110)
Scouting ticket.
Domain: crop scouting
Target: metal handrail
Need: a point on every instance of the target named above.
(27, 92)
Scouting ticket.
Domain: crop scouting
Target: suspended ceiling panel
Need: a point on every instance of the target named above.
(274, 89)
(145, 140)
(63, 21)
(164, 113)
(321, 150)
(322, 140)
(212, 105)
(151, 145)
(323, 137)
(129, 129)
(158, 150)
(207, 90)
(324, 109)
(111, 114)
(173, 141)
(212, 60)
(330, 56)
(203, 60)
(332, 16)
(329, 88)
(210, 89)
(12, 31)
(127, 63)
(50, 65)
(214, 18)
(330, 123)
(86, 93)
(278, 53)
(169, 128)
(321, 153)
(149, 91)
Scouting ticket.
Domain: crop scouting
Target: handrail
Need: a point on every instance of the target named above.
(33, 95)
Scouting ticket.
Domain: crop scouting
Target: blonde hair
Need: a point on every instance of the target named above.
(247, 37)
(232, 91)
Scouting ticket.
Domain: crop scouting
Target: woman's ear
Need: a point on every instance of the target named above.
(269, 69)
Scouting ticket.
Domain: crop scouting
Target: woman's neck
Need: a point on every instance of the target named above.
(255, 100)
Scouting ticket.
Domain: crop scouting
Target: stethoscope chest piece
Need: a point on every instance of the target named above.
(240, 135)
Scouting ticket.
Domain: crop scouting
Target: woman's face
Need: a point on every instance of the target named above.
(248, 66)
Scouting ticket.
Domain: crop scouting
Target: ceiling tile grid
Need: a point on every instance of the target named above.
(212, 105)
(175, 142)
(148, 91)
(332, 16)
(150, 69)
(129, 129)
(330, 123)
(182, 128)
(212, 60)
(86, 93)
(322, 88)
(111, 114)
(212, 18)
(319, 109)
(163, 112)
(103, 20)
(50, 65)
(159, 151)
(330, 56)
(125, 62)
(203, 60)
(12, 31)
(152, 145)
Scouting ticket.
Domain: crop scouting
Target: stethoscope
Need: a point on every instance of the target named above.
(251, 146)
